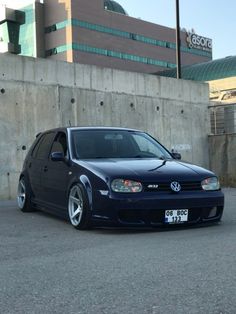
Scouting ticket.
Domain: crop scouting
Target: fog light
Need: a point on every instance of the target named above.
(212, 212)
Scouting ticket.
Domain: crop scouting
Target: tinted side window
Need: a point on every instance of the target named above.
(42, 149)
(35, 146)
(60, 144)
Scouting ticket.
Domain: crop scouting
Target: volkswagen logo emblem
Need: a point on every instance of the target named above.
(175, 186)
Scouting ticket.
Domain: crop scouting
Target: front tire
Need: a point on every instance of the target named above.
(23, 196)
(78, 209)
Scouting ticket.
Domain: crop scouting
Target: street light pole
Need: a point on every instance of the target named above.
(178, 55)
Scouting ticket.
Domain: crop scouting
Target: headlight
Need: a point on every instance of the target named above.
(211, 184)
(126, 186)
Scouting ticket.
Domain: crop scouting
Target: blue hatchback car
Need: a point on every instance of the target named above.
(115, 177)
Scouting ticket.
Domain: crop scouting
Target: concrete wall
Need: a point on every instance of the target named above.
(37, 94)
(222, 150)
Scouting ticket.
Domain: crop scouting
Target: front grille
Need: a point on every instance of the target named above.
(165, 186)
(157, 217)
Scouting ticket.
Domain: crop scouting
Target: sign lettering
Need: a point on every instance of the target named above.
(199, 42)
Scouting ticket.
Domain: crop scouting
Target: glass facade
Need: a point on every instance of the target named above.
(109, 53)
(27, 38)
(207, 71)
(128, 35)
(4, 36)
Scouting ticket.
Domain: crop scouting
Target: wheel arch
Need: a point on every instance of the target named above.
(86, 184)
(27, 205)
(25, 175)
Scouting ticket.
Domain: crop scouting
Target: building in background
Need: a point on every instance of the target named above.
(221, 76)
(22, 28)
(98, 32)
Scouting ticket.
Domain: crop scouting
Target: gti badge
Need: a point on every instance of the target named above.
(153, 186)
(175, 186)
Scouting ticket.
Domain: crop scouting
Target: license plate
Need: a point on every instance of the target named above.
(176, 216)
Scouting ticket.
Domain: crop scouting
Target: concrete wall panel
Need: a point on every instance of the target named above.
(83, 76)
(222, 150)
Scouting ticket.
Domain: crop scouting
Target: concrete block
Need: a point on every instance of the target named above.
(101, 79)
(67, 106)
(45, 71)
(124, 82)
(171, 88)
(29, 65)
(140, 84)
(153, 85)
(199, 92)
(47, 113)
(86, 102)
(83, 74)
(8, 183)
(223, 158)
(11, 68)
(65, 73)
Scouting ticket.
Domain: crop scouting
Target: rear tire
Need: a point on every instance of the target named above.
(23, 196)
(78, 208)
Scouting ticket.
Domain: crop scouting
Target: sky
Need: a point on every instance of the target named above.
(215, 19)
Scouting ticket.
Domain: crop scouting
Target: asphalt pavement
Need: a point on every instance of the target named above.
(46, 266)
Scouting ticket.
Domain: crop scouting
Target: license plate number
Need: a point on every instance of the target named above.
(176, 216)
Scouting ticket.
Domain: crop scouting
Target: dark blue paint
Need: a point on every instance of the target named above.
(50, 182)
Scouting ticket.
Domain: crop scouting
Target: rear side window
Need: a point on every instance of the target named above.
(42, 148)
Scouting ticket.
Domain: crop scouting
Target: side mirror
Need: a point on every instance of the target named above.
(176, 155)
(57, 156)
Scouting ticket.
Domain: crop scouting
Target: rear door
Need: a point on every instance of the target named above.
(37, 162)
(56, 174)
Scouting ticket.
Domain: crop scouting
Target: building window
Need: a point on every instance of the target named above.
(110, 53)
(128, 35)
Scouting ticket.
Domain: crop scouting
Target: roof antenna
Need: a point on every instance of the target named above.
(69, 123)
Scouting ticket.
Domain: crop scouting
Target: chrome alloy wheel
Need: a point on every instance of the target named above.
(21, 194)
(75, 205)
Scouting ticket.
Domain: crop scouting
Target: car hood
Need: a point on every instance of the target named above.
(146, 169)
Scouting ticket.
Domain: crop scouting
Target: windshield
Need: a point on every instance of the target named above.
(92, 144)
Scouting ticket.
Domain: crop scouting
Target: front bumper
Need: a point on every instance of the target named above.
(148, 209)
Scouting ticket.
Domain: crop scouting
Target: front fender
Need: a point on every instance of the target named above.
(85, 182)
(88, 189)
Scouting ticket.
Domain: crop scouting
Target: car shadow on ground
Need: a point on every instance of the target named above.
(131, 230)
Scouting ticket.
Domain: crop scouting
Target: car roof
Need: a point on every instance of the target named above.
(90, 128)
(103, 128)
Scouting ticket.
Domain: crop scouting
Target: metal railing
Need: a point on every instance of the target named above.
(223, 118)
